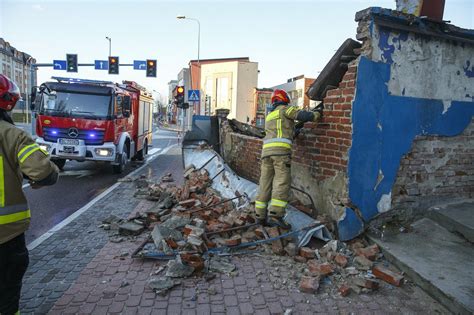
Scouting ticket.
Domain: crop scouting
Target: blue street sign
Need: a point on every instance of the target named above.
(101, 64)
(193, 95)
(59, 64)
(139, 65)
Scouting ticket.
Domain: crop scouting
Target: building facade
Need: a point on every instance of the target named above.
(296, 88)
(19, 67)
(229, 85)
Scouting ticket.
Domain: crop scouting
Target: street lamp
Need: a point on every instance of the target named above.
(110, 45)
(182, 17)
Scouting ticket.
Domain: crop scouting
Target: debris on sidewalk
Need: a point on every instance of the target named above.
(193, 228)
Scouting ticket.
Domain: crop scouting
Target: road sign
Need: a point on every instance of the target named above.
(193, 95)
(139, 65)
(101, 64)
(59, 64)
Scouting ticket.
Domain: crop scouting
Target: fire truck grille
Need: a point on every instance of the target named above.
(90, 137)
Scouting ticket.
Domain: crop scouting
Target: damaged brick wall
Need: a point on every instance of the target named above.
(435, 170)
(320, 153)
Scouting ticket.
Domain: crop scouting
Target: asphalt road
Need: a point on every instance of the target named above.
(79, 183)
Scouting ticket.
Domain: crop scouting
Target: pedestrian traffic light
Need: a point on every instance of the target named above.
(151, 68)
(180, 96)
(113, 65)
(71, 62)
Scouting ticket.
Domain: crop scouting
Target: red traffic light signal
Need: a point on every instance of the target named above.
(180, 90)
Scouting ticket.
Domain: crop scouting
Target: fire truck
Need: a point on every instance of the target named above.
(89, 120)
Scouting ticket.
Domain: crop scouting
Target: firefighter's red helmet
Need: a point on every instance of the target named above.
(280, 96)
(9, 93)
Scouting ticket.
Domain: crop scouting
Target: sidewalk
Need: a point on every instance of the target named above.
(79, 271)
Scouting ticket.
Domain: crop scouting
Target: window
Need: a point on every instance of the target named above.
(119, 105)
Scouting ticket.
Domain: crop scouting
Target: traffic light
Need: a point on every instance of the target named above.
(113, 65)
(71, 62)
(180, 96)
(151, 68)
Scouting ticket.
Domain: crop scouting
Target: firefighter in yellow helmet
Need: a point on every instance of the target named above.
(275, 175)
(20, 157)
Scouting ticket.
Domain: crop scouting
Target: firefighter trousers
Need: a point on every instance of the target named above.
(274, 186)
(13, 263)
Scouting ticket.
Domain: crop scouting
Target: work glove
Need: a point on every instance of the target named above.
(318, 110)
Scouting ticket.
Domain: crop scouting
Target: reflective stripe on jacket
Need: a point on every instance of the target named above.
(279, 125)
(19, 155)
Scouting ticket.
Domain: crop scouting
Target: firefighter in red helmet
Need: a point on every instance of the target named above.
(20, 157)
(275, 175)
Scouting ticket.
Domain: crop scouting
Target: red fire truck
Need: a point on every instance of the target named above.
(88, 120)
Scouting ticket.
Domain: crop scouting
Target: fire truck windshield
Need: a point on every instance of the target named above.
(66, 104)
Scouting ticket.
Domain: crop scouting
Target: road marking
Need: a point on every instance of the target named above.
(25, 186)
(76, 214)
(153, 151)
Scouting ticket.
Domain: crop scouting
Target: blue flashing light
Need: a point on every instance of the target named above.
(54, 132)
(92, 135)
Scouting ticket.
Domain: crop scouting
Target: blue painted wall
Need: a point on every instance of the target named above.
(384, 128)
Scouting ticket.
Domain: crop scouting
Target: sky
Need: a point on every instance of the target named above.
(286, 38)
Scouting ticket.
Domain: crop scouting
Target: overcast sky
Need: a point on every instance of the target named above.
(286, 38)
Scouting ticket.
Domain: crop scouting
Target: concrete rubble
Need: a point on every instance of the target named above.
(194, 228)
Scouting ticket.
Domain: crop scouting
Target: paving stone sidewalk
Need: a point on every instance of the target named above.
(78, 271)
(57, 262)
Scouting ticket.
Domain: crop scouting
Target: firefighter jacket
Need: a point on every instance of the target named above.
(19, 155)
(279, 128)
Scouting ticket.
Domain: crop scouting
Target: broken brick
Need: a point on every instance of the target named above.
(218, 210)
(234, 240)
(323, 269)
(259, 232)
(387, 275)
(309, 284)
(341, 260)
(307, 252)
(300, 259)
(188, 203)
(362, 263)
(239, 222)
(171, 243)
(344, 290)
(369, 252)
(193, 260)
(366, 283)
(277, 246)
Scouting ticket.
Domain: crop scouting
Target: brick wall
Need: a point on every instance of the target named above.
(436, 169)
(323, 147)
(320, 151)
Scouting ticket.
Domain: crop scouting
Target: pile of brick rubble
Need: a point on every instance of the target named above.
(194, 228)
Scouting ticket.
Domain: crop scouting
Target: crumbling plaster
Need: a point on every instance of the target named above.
(446, 65)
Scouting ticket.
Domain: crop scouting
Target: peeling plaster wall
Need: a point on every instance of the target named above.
(446, 65)
(409, 88)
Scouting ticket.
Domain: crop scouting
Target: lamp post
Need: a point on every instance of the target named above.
(110, 45)
(182, 17)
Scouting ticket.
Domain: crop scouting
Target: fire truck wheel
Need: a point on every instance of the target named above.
(143, 152)
(59, 163)
(118, 169)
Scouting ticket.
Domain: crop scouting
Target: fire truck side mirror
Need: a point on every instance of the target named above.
(34, 93)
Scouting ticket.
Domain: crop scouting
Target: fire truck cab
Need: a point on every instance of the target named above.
(88, 120)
